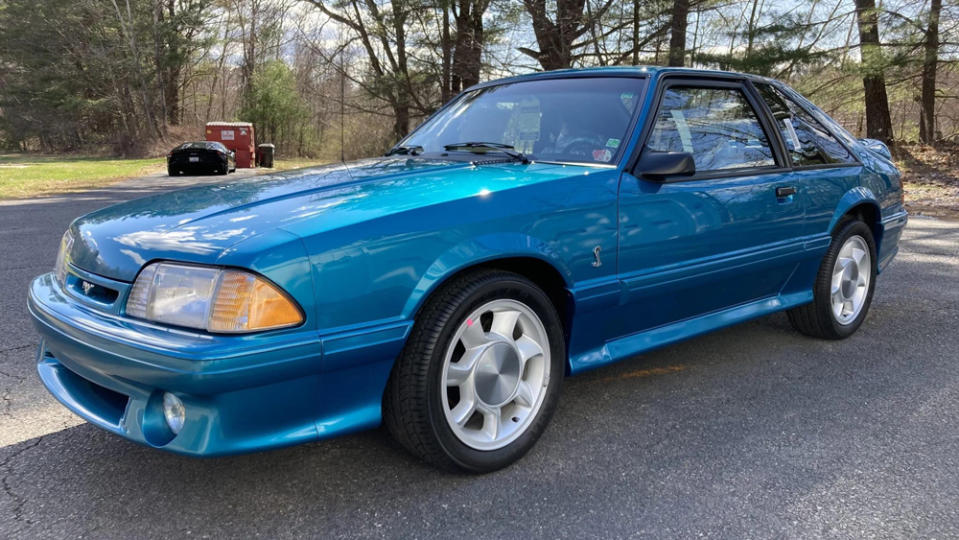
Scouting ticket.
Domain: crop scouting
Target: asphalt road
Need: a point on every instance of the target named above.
(750, 432)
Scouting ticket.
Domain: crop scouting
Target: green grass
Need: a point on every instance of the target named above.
(295, 163)
(26, 175)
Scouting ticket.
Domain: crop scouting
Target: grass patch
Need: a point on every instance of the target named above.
(26, 175)
(295, 163)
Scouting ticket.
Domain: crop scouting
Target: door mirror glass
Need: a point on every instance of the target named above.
(665, 166)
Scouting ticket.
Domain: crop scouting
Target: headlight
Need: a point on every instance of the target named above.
(213, 299)
(60, 268)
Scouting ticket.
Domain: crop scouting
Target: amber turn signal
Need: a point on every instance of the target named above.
(246, 303)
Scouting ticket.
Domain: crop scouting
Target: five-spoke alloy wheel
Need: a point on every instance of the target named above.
(496, 370)
(850, 279)
(480, 375)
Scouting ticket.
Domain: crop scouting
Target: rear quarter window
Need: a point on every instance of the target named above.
(808, 141)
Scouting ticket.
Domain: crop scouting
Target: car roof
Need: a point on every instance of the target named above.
(618, 71)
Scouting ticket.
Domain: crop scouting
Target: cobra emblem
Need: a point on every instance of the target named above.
(598, 262)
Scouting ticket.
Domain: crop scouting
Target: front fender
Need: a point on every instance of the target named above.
(282, 258)
(479, 250)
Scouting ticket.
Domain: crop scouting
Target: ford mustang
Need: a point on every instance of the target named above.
(534, 227)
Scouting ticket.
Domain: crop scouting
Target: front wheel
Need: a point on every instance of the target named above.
(844, 286)
(480, 376)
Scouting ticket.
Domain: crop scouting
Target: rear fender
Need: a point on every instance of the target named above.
(856, 200)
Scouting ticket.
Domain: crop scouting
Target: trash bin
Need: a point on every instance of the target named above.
(264, 154)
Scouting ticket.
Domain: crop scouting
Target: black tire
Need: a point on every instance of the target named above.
(413, 409)
(170, 171)
(816, 318)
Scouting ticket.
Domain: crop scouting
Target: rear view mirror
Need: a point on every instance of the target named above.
(665, 166)
(877, 146)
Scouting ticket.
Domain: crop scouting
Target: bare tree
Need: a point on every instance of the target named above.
(930, 63)
(470, 39)
(677, 33)
(557, 31)
(878, 122)
(383, 35)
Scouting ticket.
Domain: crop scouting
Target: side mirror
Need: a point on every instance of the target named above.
(665, 166)
(877, 146)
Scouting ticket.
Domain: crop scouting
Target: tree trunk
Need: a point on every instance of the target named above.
(468, 54)
(677, 33)
(401, 121)
(927, 113)
(446, 90)
(878, 123)
(172, 96)
(555, 40)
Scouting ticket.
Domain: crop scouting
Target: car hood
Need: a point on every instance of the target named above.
(198, 224)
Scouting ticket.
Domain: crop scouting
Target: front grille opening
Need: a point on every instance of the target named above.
(110, 400)
(106, 404)
(97, 293)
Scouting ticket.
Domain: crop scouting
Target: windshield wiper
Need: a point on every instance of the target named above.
(504, 148)
(411, 150)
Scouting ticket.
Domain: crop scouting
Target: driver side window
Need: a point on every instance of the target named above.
(717, 126)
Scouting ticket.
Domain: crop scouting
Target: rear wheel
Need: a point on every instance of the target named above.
(844, 286)
(480, 376)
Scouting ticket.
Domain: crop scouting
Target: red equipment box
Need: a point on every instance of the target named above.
(237, 136)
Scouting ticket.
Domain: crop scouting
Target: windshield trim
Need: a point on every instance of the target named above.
(622, 153)
(454, 155)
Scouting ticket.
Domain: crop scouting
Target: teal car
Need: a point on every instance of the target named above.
(534, 227)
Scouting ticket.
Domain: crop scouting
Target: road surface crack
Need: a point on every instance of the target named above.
(18, 378)
(17, 348)
(18, 501)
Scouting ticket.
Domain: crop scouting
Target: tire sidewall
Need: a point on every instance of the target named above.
(824, 283)
(465, 456)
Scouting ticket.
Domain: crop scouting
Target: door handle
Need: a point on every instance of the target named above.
(785, 191)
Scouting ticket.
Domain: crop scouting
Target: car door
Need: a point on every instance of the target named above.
(725, 236)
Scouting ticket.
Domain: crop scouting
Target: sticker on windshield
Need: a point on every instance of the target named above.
(603, 154)
(612, 143)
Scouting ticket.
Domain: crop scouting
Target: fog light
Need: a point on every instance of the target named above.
(173, 412)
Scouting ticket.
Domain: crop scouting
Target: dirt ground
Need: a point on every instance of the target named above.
(931, 178)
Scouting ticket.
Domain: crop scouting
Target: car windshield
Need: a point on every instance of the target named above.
(580, 120)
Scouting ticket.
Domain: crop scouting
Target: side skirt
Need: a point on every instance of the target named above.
(634, 344)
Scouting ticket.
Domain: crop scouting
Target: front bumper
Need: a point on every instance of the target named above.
(241, 393)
